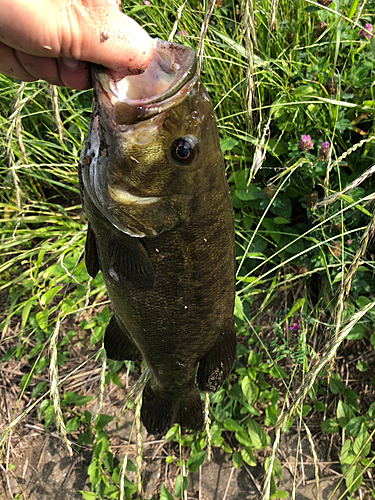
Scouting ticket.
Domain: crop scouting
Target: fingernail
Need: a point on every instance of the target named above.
(70, 63)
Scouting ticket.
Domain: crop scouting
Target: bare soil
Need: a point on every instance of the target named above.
(43, 470)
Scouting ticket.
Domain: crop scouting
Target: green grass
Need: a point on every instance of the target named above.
(305, 271)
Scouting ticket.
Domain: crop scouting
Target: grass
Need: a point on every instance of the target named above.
(304, 221)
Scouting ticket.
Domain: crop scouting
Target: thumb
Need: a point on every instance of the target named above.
(101, 34)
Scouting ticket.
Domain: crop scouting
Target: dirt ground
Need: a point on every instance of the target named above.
(43, 470)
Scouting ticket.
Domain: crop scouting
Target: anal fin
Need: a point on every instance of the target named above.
(118, 344)
(216, 365)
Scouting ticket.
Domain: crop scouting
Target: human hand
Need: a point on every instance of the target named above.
(54, 40)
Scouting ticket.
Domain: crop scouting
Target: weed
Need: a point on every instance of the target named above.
(292, 85)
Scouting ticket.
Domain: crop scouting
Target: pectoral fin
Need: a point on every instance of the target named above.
(216, 365)
(130, 260)
(91, 253)
(118, 344)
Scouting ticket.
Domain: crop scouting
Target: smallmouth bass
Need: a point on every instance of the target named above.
(160, 229)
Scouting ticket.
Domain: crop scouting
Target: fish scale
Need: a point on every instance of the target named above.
(161, 232)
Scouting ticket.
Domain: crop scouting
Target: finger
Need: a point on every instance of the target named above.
(74, 74)
(10, 66)
(86, 30)
(41, 68)
(117, 42)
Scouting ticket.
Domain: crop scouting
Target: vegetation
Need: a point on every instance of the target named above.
(292, 85)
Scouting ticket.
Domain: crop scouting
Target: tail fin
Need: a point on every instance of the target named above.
(160, 411)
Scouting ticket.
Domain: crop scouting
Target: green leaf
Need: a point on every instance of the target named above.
(371, 410)
(362, 443)
(358, 332)
(330, 426)
(287, 425)
(38, 388)
(319, 406)
(257, 435)
(108, 461)
(96, 335)
(102, 420)
(303, 90)
(271, 415)
(372, 45)
(353, 479)
(248, 390)
(26, 311)
(243, 438)
(298, 304)
(237, 460)
(76, 399)
(165, 494)
(344, 413)
(194, 462)
(47, 296)
(86, 417)
(245, 194)
(88, 495)
(72, 424)
(42, 319)
(227, 144)
(180, 485)
(42, 408)
(354, 425)
(362, 366)
(347, 456)
(12, 350)
(171, 433)
(238, 308)
(94, 476)
(276, 467)
(49, 417)
(226, 448)
(248, 457)
(280, 220)
(306, 410)
(232, 425)
(335, 384)
(353, 8)
(281, 494)
(278, 372)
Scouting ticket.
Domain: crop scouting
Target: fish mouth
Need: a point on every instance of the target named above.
(172, 71)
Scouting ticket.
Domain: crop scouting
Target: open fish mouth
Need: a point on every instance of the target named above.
(120, 111)
(172, 71)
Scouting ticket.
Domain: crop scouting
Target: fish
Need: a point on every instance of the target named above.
(161, 231)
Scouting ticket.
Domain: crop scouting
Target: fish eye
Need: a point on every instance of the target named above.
(184, 149)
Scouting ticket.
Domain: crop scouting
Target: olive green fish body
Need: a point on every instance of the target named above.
(162, 234)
